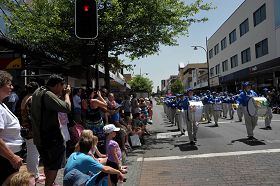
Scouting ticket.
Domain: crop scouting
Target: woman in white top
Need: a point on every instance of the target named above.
(10, 139)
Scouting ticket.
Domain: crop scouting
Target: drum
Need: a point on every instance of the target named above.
(235, 106)
(257, 106)
(195, 111)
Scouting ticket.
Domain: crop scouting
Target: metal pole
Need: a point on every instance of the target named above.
(208, 66)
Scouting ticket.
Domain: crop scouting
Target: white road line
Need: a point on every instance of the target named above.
(210, 155)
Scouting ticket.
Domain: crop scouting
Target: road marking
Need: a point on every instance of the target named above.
(169, 135)
(210, 155)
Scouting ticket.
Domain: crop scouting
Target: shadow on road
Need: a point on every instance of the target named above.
(186, 147)
(249, 142)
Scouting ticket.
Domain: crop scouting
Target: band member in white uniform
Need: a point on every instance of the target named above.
(250, 121)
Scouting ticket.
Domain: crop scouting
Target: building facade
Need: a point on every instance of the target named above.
(247, 47)
(194, 75)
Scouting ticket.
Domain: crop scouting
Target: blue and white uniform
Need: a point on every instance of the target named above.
(250, 121)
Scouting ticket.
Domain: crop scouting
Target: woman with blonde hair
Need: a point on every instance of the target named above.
(23, 178)
(89, 135)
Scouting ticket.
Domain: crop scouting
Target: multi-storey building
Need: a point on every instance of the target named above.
(247, 47)
(194, 75)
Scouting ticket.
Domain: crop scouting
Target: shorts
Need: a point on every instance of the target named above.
(53, 157)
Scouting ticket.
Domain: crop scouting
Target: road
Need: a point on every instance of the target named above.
(222, 156)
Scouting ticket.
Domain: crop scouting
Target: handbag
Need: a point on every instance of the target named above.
(135, 141)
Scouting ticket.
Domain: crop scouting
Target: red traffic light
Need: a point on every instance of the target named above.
(86, 8)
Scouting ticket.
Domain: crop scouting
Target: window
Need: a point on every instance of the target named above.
(261, 48)
(234, 61)
(224, 43)
(244, 27)
(217, 68)
(212, 72)
(232, 36)
(225, 65)
(216, 49)
(245, 56)
(259, 15)
(210, 53)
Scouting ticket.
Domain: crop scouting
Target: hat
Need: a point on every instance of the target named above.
(110, 128)
(247, 83)
(189, 89)
(75, 178)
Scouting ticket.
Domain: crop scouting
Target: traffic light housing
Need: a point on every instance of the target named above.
(86, 19)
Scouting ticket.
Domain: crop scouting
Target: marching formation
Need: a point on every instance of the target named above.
(187, 110)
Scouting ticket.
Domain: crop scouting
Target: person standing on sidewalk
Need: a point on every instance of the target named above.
(250, 121)
(32, 158)
(45, 125)
(10, 139)
(77, 104)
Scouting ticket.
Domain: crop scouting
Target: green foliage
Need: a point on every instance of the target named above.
(177, 87)
(141, 84)
(133, 27)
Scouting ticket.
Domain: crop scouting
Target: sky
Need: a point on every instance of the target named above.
(161, 66)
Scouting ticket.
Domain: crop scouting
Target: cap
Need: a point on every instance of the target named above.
(247, 83)
(75, 178)
(110, 128)
(189, 89)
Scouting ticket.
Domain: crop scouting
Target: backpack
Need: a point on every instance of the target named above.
(75, 132)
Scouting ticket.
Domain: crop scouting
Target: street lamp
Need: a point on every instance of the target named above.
(207, 61)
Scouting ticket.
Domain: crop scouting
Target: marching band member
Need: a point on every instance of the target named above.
(217, 108)
(230, 101)
(240, 108)
(224, 100)
(207, 102)
(268, 115)
(192, 125)
(250, 121)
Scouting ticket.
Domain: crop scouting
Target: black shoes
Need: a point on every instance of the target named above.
(268, 128)
(251, 138)
(216, 125)
(192, 143)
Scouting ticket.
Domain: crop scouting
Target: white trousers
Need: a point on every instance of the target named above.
(32, 159)
(268, 117)
(250, 122)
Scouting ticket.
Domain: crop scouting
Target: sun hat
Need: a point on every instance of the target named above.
(110, 128)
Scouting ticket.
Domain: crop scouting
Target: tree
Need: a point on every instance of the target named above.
(133, 27)
(141, 84)
(177, 87)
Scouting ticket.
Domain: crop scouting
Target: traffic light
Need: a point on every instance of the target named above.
(86, 19)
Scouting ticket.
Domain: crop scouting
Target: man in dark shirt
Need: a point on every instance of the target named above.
(45, 125)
